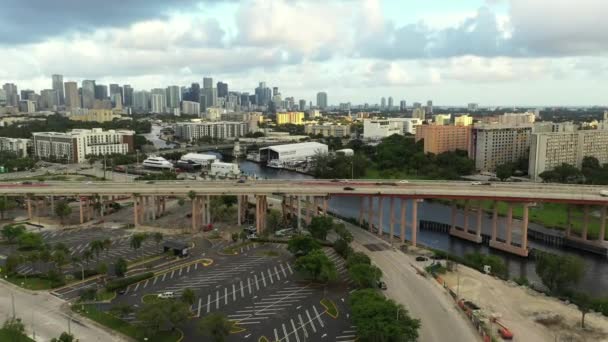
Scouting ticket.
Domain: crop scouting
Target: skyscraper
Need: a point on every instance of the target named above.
(101, 92)
(72, 100)
(322, 100)
(26, 94)
(173, 97)
(429, 107)
(275, 91)
(128, 95)
(58, 87)
(194, 94)
(48, 99)
(88, 93)
(402, 105)
(383, 103)
(263, 94)
(222, 89)
(390, 103)
(141, 100)
(207, 82)
(12, 97)
(115, 89)
(157, 103)
(302, 104)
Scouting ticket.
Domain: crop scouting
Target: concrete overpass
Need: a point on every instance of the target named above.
(306, 198)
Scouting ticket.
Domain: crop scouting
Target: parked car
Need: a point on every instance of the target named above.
(381, 285)
(348, 188)
(403, 181)
(421, 258)
(166, 295)
(604, 193)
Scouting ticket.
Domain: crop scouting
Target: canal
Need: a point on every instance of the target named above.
(594, 282)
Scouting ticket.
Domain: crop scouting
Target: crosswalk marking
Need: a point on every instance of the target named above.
(270, 276)
(276, 335)
(318, 316)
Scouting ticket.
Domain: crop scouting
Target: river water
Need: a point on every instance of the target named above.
(594, 282)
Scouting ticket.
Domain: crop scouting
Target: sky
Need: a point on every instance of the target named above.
(492, 52)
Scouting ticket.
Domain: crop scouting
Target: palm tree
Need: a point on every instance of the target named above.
(87, 256)
(137, 240)
(107, 243)
(96, 246)
(158, 237)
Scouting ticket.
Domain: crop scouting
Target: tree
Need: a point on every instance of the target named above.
(96, 246)
(106, 244)
(60, 258)
(60, 246)
(121, 310)
(181, 202)
(317, 265)
(11, 263)
(14, 328)
(343, 233)
(102, 268)
(342, 248)
(12, 232)
(177, 312)
(188, 296)
(243, 236)
(152, 316)
(63, 210)
(158, 237)
(564, 173)
(5, 205)
(235, 237)
(65, 337)
(302, 245)
(319, 226)
(357, 258)
(364, 275)
(137, 240)
(584, 303)
(87, 255)
(120, 267)
(381, 319)
(30, 241)
(504, 171)
(229, 201)
(559, 272)
(273, 220)
(216, 326)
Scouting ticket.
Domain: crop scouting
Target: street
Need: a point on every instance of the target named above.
(424, 299)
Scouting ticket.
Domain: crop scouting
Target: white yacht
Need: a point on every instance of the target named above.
(157, 163)
(276, 164)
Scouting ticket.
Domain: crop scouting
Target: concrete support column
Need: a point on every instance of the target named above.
(208, 212)
(509, 235)
(602, 233)
(361, 209)
(37, 207)
(380, 215)
(239, 210)
(568, 220)
(299, 215)
(466, 216)
(193, 215)
(308, 209)
(135, 212)
(102, 209)
(29, 208)
(414, 221)
(325, 205)
(52, 205)
(370, 212)
(403, 219)
(80, 205)
(453, 216)
(479, 219)
(524, 228)
(392, 221)
(585, 222)
(495, 221)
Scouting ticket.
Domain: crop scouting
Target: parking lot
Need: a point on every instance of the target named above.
(262, 294)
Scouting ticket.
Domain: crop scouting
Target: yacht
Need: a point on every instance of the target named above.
(157, 163)
(276, 164)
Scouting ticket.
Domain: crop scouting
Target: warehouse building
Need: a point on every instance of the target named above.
(292, 152)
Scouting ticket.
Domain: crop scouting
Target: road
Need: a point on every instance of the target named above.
(50, 320)
(515, 192)
(424, 299)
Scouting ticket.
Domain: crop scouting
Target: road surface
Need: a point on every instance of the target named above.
(48, 317)
(424, 299)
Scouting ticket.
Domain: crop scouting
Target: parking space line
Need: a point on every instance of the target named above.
(285, 332)
(289, 267)
(233, 293)
(303, 326)
(242, 290)
(312, 324)
(295, 331)
(225, 296)
(188, 269)
(318, 316)
(276, 335)
(164, 276)
(217, 299)
(249, 284)
(155, 280)
(208, 303)
(172, 273)
(180, 272)
(146, 283)
(196, 266)
(136, 287)
(283, 269)
(198, 312)
(270, 275)
(276, 272)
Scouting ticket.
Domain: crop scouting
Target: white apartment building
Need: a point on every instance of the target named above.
(516, 118)
(213, 113)
(409, 124)
(340, 131)
(74, 146)
(375, 129)
(191, 108)
(497, 144)
(158, 103)
(551, 149)
(18, 146)
(191, 131)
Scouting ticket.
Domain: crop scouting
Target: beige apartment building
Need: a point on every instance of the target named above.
(296, 118)
(93, 115)
(340, 131)
(443, 138)
(497, 144)
(551, 149)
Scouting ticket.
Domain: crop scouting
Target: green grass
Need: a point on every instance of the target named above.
(150, 298)
(104, 295)
(330, 306)
(5, 336)
(33, 283)
(117, 324)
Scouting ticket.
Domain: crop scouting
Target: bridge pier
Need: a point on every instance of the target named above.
(261, 206)
(508, 246)
(403, 219)
(370, 212)
(361, 210)
(465, 234)
(299, 215)
(392, 221)
(414, 221)
(380, 215)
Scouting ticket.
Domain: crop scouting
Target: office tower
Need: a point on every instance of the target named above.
(116, 100)
(417, 105)
(88, 93)
(72, 100)
(141, 100)
(322, 100)
(302, 104)
(101, 92)
(382, 103)
(222, 89)
(402, 105)
(207, 82)
(27, 106)
(127, 95)
(195, 93)
(48, 99)
(390, 103)
(429, 107)
(245, 100)
(263, 94)
(12, 97)
(173, 97)
(157, 103)
(2, 98)
(210, 95)
(58, 87)
(26, 94)
(275, 91)
(472, 107)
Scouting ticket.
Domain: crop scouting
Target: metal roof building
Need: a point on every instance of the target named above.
(300, 151)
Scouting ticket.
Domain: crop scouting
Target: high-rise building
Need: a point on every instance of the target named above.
(295, 118)
(27, 106)
(263, 95)
(173, 98)
(2, 98)
(191, 108)
(88, 93)
(444, 138)
(128, 95)
(275, 91)
(418, 113)
(498, 144)
(473, 107)
(27, 94)
(12, 97)
(390, 103)
(222, 89)
(72, 100)
(157, 103)
(194, 94)
(383, 103)
(141, 100)
(429, 107)
(48, 99)
(322, 100)
(402, 106)
(115, 89)
(116, 99)
(245, 100)
(207, 82)
(58, 87)
(101, 92)
(210, 95)
(302, 105)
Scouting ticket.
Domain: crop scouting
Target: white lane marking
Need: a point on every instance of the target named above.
(283, 269)
(276, 273)
(289, 267)
(285, 332)
(217, 299)
(257, 286)
(303, 325)
(225, 296)
(242, 290)
(208, 303)
(146, 283)
(200, 301)
(312, 324)
(295, 331)
(318, 316)
(233, 293)
(276, 335)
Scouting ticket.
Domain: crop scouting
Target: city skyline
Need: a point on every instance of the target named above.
(488, 52)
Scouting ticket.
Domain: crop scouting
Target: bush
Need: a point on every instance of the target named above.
(342, 248)
(122, 283)
(87, 273)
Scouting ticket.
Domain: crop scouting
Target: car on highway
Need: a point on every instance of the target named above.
(476, 183)
(421, 258)
(604, 193)
(241, 181)
(404, 181)
(348, 188)
(166, 295)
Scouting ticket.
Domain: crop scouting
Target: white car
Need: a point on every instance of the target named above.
(252, 236)
(475, 183)
(166, 295)
(604, 193)
(404, 181)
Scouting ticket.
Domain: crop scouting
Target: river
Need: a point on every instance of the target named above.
(594, 282)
